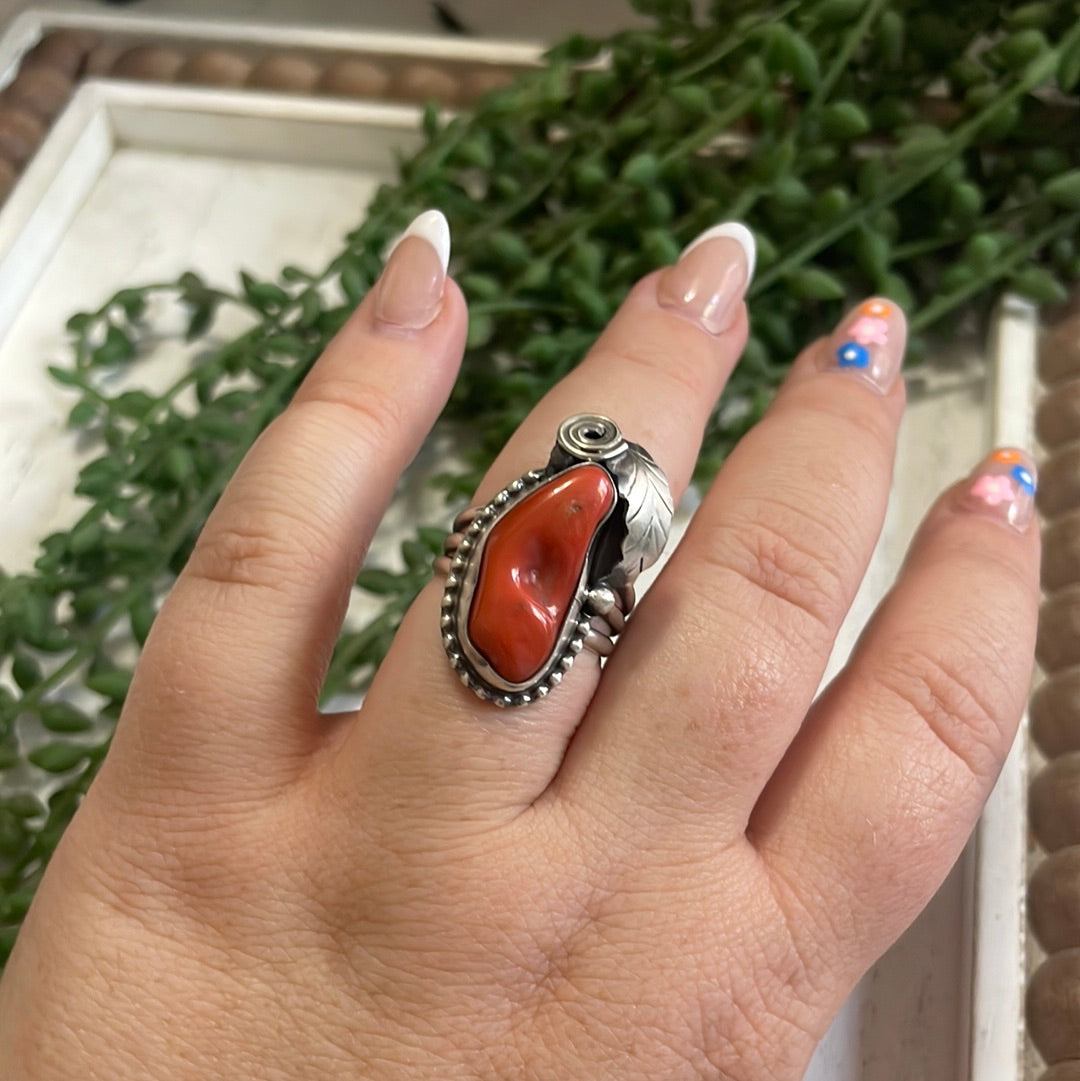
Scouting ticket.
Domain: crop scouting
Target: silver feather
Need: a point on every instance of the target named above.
(649, 511)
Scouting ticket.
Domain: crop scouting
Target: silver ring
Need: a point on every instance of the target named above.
(547, 568)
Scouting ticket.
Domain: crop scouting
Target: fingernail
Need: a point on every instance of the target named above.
(869, 343)
(1003, 486)
(708, 282)
(409, 292)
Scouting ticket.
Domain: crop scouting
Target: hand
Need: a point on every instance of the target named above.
(677, 870)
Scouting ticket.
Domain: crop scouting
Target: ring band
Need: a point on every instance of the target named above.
(547, 568)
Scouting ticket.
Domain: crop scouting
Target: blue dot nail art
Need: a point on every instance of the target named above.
(853, 355)
(1024, 478)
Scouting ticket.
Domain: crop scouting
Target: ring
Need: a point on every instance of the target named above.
(547, 568)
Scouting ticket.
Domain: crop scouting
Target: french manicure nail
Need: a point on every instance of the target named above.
(1003, 486)
(869, 343)
(409, 292)
(708, 282)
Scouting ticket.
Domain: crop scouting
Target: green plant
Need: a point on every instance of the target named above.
(873, 146)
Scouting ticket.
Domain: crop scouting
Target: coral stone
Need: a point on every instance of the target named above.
(531, 566)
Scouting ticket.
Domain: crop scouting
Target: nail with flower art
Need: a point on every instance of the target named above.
(869, 344)
(1003, 487)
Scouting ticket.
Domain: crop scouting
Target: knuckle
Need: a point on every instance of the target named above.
(784, 564)
(955, 699)
(364, 410)
(263, 554)
(672, 372)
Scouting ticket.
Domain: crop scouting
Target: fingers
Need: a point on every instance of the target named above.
(877, 796)
(656, 371)
(248, 628)
(726, 651)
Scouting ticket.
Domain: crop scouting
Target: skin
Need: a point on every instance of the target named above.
(680, 871)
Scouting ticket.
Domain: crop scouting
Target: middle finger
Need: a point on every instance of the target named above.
(656, 371)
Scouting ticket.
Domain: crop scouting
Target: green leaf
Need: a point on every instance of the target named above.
(431, 119)
(417, 555)
(480, 286)
(657, 207)
(179, 465)
(1064, 190)
(839, 12)
(481, 330)
(660, 247)
(110, 683)
(1068, 71)
(26, 671)
(790, 192)
(379, 582)
(642, 170)
(353, 283)
(79, 322)
(142, 616)
(1019, 49)
(1039, 284)
(890, 36)
(844, 120)
(193, 289)
(57, 757)
(509, 250)
(788, 51)
(1036, 14)
(965, 201)
(813, 283)
(134, 404)
(133, 302)
(266, 296)
(433, 537)
(82, 414)
(476, 151)
(692, 99)
(832, 203)
(590, 302)
(981, 251)
(23, 805)
(922, 142)
(590, 177)
(67, 377)
(896, 289)
(587, 260)
(873, 252)
(200, 317)
(86, 535)
(62, 717)
(117, 349)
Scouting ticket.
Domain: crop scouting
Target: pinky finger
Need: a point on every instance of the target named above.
(877, 796)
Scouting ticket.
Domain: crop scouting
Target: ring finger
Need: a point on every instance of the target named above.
(657, 371)
(728, 648)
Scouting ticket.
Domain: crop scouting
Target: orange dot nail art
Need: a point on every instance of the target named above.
(1008, 456)
(877, 308)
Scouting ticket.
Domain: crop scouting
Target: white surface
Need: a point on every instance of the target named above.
(142, 211)
(122, 215)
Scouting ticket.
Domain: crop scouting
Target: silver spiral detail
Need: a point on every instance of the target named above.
(591, 436)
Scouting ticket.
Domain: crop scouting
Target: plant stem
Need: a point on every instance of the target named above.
(1001, 268)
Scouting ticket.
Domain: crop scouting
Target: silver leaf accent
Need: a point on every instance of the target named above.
(649, 512)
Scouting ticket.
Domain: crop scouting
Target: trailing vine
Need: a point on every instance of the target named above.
(874, 146)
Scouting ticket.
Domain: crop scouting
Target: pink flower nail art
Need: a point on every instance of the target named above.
(1004, 487)
(867, 330)
(868, 344)
(994, 490)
